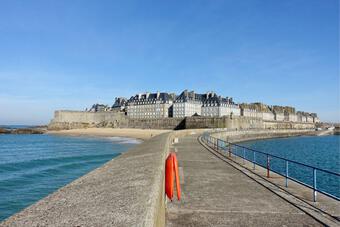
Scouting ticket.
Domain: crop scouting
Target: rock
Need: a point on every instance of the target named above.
(27, 131)
(4, 131)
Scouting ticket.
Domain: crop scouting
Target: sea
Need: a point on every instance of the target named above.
(33, 166)
(322, 152)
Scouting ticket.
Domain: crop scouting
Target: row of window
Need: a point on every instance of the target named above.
(148, 102)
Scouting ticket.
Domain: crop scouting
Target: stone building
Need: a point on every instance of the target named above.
(290, 114)
(217, 106)
(309, 118)
(188, 104)
(258, 110)
(246, 112)
(278, 113)
(150, 105)
(99, 108)
(119, 104)
(315, 118)
(249, 110)
(301, 116)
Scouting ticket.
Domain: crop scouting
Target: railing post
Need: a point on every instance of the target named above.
(215, 143)
(287, 173)
(244, 155)
(254, 159)
(229, 150)
(268, 166)
(314, 185)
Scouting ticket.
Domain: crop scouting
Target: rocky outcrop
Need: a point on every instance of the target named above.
(337, 130)
(69, 125)
(4, 131)
(23, 131)
(27, 131)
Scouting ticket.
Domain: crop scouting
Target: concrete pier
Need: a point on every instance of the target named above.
(217, 194)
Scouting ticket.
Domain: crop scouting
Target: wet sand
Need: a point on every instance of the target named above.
(142, 134)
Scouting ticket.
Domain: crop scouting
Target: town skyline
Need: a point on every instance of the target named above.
(156, 105)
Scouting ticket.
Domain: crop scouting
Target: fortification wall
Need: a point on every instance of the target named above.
(287, 125)
(64, 119)
(162, 123)
(80, 119)
(223, 122)
(87, 117)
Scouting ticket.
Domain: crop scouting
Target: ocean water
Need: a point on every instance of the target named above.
(318, 151)
(33, 166)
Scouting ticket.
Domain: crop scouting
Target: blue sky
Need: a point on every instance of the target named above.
(70, 54)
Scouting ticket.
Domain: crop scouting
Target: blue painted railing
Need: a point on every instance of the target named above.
(291, 170)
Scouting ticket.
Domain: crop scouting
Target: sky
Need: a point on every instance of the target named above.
(65, 54)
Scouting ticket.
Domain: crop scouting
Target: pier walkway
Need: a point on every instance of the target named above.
(214, 193)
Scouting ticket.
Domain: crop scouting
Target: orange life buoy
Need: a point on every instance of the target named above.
(171, 173)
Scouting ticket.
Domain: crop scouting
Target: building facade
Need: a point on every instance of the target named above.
(188, 104)
(150, 105)
(258, 110)
(216, 106)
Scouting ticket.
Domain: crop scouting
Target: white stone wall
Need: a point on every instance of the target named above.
(279, 116)
(268, 116)
(186, 109)
(309, 119)
(252, 113)
(292, 117)
(149, 111)
(228, 109)
(302, 118)
(211, 111)
(220, 111)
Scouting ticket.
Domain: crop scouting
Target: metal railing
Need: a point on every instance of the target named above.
(291, 170)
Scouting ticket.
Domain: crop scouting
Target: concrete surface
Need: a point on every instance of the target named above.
(217, 194)
(126, 191)
(326, 210)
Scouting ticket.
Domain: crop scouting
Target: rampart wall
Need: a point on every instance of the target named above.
(80, 119)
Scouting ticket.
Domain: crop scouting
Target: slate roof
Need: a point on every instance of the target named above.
(119, 102)
(186, 96)
(163, 96)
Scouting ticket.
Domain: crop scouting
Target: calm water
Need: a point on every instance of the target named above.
(318, 151)
(33, 166)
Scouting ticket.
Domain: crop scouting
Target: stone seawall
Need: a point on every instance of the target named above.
(80, 119)
(246, 135)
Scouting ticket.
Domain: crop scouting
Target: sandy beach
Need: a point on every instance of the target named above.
(142, 134)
